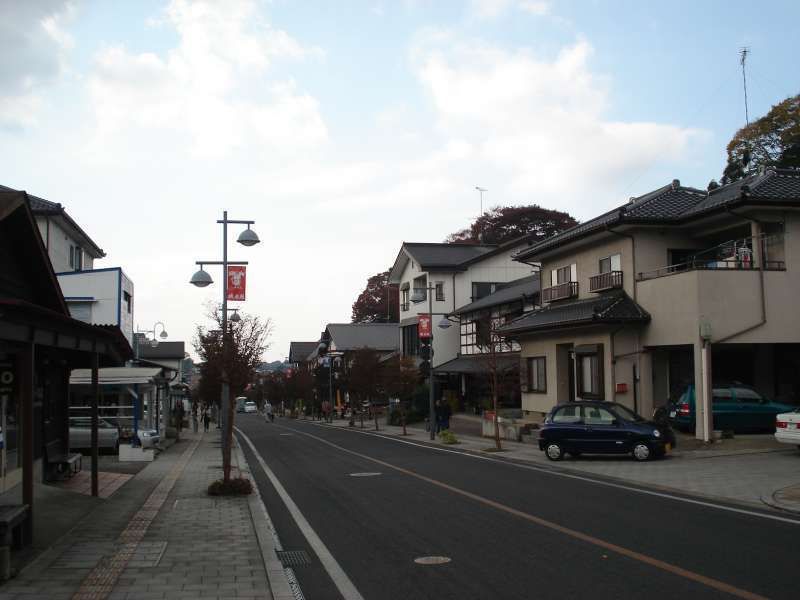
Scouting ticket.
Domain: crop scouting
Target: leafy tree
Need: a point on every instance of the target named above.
(772, 140)
(400, 379)
(378, 303)
(504, 223)
(363, 378)
(247, 340)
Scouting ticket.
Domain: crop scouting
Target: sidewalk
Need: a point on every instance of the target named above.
(158, 536)
(742, 471)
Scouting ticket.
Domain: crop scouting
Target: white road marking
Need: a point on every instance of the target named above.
(620, 486)
(364, 474)
(337, 574)
(432, 560)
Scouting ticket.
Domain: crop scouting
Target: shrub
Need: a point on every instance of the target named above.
(448, 437)
(237, 486)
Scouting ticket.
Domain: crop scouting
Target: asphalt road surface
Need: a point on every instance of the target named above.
(509, 531)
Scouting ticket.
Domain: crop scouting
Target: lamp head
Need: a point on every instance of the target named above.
(445, 323)
(163, 334)
(235, 318)
(248, 237)
(201, 279)
(154, 343)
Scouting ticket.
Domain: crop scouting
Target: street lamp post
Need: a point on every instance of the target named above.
(416, 297)
(153, 344)
(201, 278)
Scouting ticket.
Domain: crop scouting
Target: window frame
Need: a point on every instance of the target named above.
(529, 365)
(439, 291)
(610, 259)
(597, 354)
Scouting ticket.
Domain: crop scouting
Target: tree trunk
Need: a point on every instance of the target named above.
(228, 440)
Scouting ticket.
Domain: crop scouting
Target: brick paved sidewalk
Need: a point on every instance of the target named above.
(160, 536)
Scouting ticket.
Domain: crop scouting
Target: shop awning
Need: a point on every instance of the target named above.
(115, 376)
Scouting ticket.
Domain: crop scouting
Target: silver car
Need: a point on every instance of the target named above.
(80, 433)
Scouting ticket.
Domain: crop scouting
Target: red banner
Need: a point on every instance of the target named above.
(237, 276)
(424, 326)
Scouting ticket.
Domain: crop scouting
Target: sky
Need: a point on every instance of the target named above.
(345, 128)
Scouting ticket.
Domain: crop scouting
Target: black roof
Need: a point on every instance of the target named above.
(42, 207)
(611, 307)
(477, 364)
(163, 350)
(445, 255)
(674, 204)
(299, 351)
(511, 291)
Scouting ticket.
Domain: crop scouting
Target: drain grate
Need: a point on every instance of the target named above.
(293, 558)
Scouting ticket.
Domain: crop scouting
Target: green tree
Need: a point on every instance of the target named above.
(772, 140)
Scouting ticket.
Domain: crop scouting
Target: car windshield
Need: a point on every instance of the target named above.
(626, 413)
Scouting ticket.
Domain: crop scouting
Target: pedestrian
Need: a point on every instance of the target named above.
(194, 419)
(268, 411)
(446, 413)
(437, 411)
(206, 419)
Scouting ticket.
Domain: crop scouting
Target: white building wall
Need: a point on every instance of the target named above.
(58, 243)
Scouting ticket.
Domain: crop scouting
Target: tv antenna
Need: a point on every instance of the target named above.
(743, 52)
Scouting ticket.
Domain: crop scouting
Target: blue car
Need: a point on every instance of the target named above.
(595, 427)
(734, 407)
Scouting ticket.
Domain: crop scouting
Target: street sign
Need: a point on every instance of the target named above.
(424, 326)
(237, 276)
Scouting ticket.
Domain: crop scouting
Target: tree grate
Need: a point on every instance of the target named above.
(293, 558)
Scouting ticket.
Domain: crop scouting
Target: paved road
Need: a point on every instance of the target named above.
(511, 532)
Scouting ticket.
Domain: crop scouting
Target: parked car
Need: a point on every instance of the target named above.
(240, 402)
(734, 407)
(80, 433)
(250, 407)
(149, 438)
(787, 427)
(596, 427)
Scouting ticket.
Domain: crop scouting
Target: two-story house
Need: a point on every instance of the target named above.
(483, 353)
(97, 296)
(665, 290)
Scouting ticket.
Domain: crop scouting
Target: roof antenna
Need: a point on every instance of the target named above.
(480, 191)
(743, 52)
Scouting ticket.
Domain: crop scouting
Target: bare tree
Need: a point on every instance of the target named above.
(493, 347)
(245, 343)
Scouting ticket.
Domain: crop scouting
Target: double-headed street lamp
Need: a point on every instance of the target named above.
(202, 279)
(417, 296)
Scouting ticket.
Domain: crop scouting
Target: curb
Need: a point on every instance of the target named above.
(774, 502)
(265, 532)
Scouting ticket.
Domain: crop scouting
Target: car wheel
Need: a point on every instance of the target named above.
(554, 451)
(641, 451)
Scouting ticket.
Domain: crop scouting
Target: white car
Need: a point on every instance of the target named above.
(787, 427)
(250, 407)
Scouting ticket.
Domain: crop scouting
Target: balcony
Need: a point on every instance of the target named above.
(562, 291)
(611, 280)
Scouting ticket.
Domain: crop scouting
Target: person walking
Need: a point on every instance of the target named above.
(206, 419)
(268, 411)
(195, 420)
(446, 413)
(437, 411)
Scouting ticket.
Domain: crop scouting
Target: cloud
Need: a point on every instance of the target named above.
(212, 90)
(541, 122)
(33, 47)
(493, 9)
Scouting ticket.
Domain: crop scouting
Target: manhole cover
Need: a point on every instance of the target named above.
(432, 560)
(293, 558)
(364, 474)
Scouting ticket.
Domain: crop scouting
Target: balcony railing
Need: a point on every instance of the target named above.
(562, 291)
(605, 281)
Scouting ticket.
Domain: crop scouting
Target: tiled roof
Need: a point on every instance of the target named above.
(674, 203)
(378, 336)
(478, 364)
(445, 255)
(511, 291)
(299, 351)
(613, 307)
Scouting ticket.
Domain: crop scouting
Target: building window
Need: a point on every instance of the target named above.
(410, 340)
(421, 286)
(564, 274)
(404, 299)
(589, 367)
(71, 256)
(78, 258)
(440, 291)
(481, 289)
(126, 298)
(611, 263)
(537, 374)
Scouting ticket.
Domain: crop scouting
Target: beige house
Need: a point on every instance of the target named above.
(660, 293)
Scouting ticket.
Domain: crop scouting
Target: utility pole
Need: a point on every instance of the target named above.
(743, 52)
